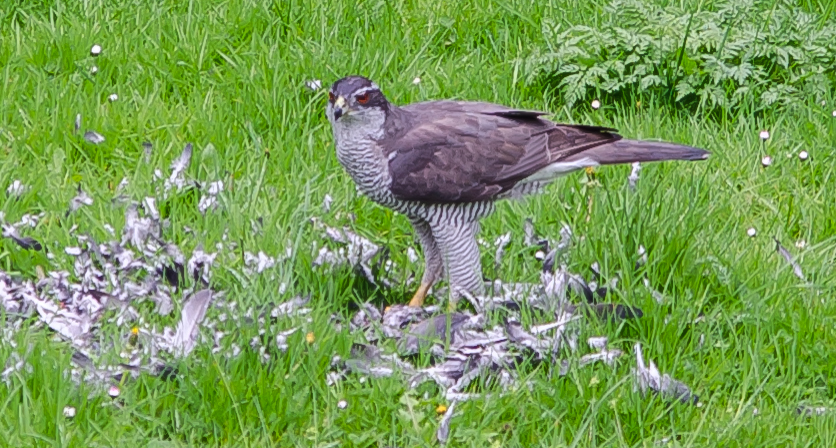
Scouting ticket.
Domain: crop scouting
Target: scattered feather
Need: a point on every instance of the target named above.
(150, 206)
(194, 310)
(810, 411)
(94, 137)
(326, 203)
(81, 199)
(796, 268)
(634, 175)
(648, 377)
(443, 432)
(17, 189)
(411, 255)
(146, 149)
(501, 243)
(597, 342)
(10, 231)
(256, 264)
(608, 357)
(281, 339)
(313, 85)
(178, 168)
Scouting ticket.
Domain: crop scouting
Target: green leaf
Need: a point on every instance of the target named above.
(683, 89)
(649, 81)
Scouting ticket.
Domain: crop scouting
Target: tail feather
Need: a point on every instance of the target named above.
(630, 151)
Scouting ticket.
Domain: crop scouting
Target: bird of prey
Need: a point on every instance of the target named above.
(443, 164)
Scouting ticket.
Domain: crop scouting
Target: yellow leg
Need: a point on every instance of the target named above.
(420, 295)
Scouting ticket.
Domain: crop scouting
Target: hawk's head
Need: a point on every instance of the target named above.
(355, 99)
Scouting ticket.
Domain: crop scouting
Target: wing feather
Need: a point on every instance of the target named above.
(467, 152)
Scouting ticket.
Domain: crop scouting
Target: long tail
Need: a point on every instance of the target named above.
(629, 151)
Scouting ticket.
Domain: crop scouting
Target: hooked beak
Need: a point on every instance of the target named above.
(339, 107)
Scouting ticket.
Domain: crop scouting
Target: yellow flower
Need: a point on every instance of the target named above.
(441, 409)
(134, 336)
(590, 170)
(310, 337)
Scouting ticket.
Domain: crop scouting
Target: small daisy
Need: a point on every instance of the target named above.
(766, 161)
(596, 104)
(764, 135)
(96, 50)
(751, 232)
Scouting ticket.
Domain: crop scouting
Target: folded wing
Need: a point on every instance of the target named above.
(466, 152)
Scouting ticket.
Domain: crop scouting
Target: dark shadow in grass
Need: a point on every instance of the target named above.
(186, 199)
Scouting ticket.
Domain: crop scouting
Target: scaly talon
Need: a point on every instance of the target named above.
(420, 295)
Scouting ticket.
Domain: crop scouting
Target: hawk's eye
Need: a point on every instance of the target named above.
(331, 97)
(363, 98)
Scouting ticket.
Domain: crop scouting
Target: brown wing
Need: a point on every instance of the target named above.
(466, 152)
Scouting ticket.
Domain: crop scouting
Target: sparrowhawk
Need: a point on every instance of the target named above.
(443, 164)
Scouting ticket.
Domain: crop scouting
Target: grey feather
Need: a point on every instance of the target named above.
(631, 151)
(796, 268)
(194, 310)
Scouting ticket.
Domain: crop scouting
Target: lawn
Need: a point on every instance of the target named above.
(752, 339)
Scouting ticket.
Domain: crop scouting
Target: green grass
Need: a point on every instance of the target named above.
(229, 77)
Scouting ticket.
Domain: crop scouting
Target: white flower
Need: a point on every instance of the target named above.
(764, 135)
(113, 97)
(94, 70)
(113, 392)
(342, 404)
(751, 232)
(803, 155)
(596, 104)
(801, 244)
(416, 81)
(834, 113)
(96, 50)
(766, 161)
(69, 411)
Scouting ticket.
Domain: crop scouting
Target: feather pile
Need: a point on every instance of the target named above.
(110, 280)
